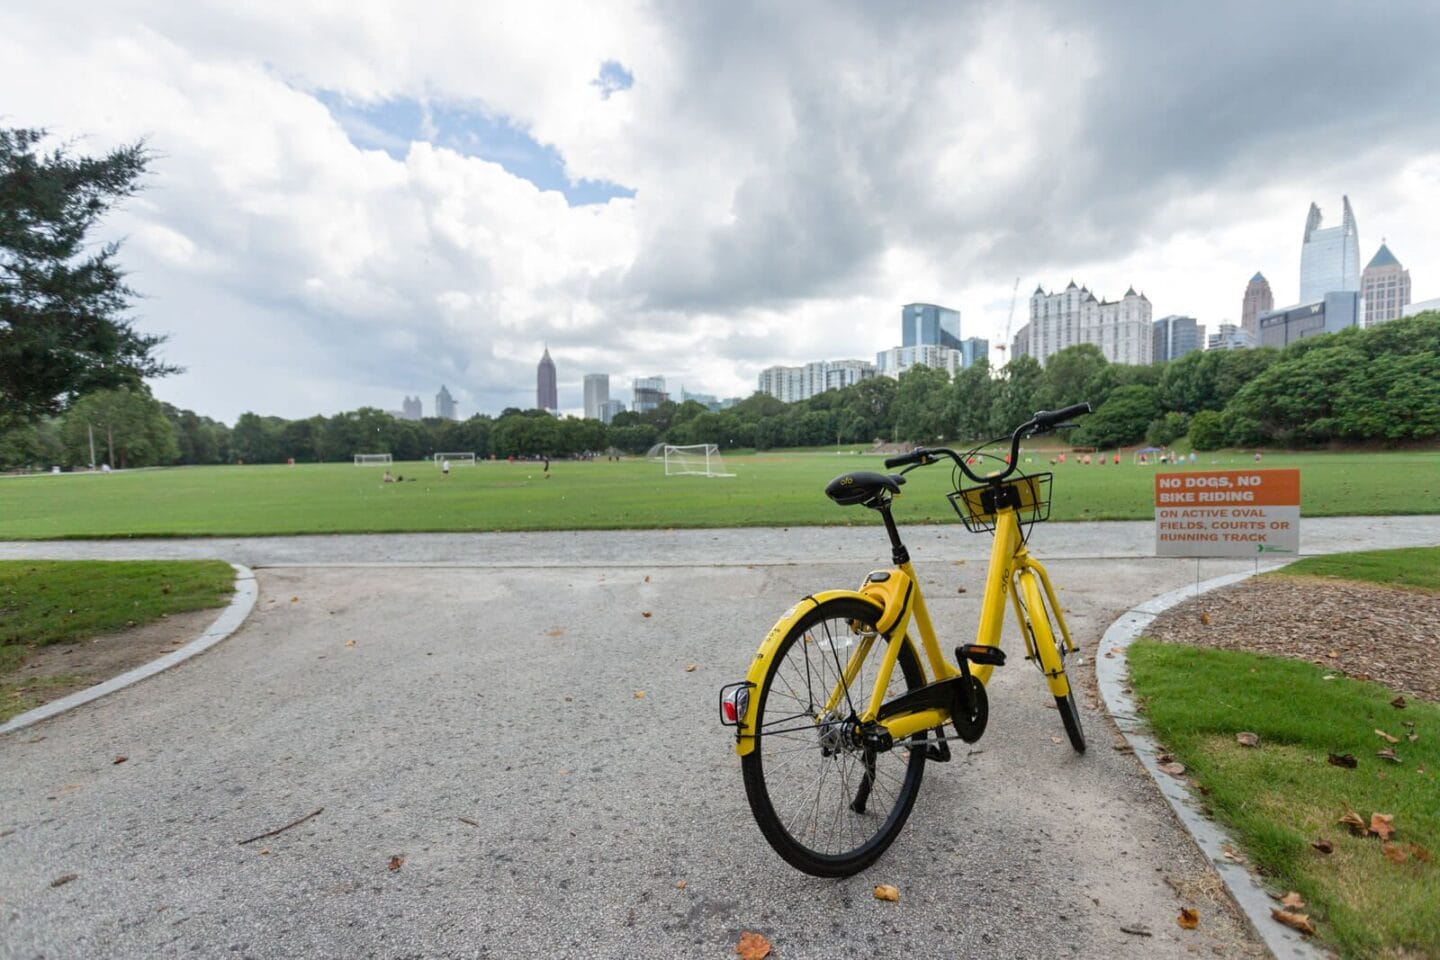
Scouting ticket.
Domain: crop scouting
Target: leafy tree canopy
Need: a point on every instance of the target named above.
(63, 331)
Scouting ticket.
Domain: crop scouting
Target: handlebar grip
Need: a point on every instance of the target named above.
(1046, 419)
(905, 459)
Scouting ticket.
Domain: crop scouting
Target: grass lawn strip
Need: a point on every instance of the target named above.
(773, 489)
(1416, 568)
(1284, 795)
(45, 603)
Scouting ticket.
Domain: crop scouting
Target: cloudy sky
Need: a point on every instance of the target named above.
(351, 202)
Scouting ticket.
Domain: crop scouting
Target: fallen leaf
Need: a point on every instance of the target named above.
(645, 614)
(1205, 619)
(1137, 930)
(960, 590)
(1174, 769)
(647, 578)
(63, 879)
(679, 884)
(1332, 655)
(1412, 737)
(294, 599)
(1418, 852)
(690, 668)
(1342, 760)
(118, 760)
(1388, 754)
(1231, 854)
(1388, 738)
(350, 643)
(752, 946)
(397, 862)
(1296, 921)
(1056, 740)
(472, 823)
(1323, 845)
(1399, 702)
(265, 852)
(1188, 919)
(1292, 901)
(1352, 820)
(557, 632)
(1394, 852)
(639, 694)
(1247, 739)
(884, 891)
(1382, 825)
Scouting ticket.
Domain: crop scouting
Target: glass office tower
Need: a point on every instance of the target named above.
(1330, 257)
(923, 324)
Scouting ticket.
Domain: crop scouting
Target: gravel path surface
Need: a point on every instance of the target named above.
(405, 698)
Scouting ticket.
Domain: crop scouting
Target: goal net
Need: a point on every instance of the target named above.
(700, 459)
(370, 459)
(455, 458)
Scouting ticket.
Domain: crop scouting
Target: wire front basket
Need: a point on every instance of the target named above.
(1030, 496)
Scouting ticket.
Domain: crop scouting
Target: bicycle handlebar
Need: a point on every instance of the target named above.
(1042, 421)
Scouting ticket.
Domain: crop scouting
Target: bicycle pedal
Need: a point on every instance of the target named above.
(981, 653)
(937, 751)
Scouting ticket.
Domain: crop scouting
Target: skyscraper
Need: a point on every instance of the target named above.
(597, 394)
(924, 324)
(649, 393)
(1258, 299)
(545, 396)
(444, 404)
(1120, 328)
(1174, 336)
(1329, 257)
(411, 409)
(1385, 285)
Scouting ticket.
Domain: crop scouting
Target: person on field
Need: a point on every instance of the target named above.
(444, 468)
(546, 469)
(387, 478)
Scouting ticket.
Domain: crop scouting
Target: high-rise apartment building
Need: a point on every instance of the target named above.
(1329, 257)
(1231, 336)
(444, 404)
(924, 324)
(1174, 336)
(546, 397)
(1258, 299)
(1120, 328)
(609, 408)
(1385, 285)
(597, 394)
(411, 409)
(801, 383)
(649, 393)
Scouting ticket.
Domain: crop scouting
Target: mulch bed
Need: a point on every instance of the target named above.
(1364, 631)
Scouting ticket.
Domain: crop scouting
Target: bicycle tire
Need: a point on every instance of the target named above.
(1045, 638)
(802, 779)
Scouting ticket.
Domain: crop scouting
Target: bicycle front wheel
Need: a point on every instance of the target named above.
(1051, 652)
(826, 802)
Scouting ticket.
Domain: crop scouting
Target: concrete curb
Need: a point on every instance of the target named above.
(1111, 672)
(227, 623)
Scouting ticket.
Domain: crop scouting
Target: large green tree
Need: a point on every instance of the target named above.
(128, 425)
(63, 303)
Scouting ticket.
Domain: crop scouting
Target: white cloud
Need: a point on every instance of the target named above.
(800, 172)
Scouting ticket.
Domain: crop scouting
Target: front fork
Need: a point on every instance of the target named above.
(1038, 611)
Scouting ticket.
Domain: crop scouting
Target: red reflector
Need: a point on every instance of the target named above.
(728, 708)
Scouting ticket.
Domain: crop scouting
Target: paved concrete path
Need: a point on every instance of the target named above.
(501, 687)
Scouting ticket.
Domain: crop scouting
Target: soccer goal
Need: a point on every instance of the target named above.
(455, 458)
(371, 459)
(700, 459)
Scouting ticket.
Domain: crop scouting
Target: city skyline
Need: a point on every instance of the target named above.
(343, 207)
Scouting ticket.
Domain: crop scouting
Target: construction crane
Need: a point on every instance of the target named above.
(1004, 346)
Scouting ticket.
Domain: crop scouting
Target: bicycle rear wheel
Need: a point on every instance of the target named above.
(827, 804)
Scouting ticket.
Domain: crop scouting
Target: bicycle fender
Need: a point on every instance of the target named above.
(760, 666)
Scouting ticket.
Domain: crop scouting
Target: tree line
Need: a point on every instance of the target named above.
(1374, 386)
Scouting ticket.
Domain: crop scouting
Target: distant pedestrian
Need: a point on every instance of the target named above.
(546, 469)
(444, 468)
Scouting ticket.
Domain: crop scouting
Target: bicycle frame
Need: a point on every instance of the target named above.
(899, 601)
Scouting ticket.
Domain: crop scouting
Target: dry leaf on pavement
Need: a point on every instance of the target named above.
(1188, 919)
(349, 643)
(679, 884)
(63, 879)
(1247, 739)
(752, 946)
(397, 862)
(1294, 920)
(690, 668)
(639, 694)
(118, 760)
(646, 614)
(884, 891)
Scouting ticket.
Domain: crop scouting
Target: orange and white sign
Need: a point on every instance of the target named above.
(1227, 513)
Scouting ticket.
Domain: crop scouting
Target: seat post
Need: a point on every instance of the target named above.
(898, 554)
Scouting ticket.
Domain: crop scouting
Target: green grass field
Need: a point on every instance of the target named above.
(770, 489)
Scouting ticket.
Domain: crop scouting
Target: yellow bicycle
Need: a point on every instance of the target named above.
(833, 739)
